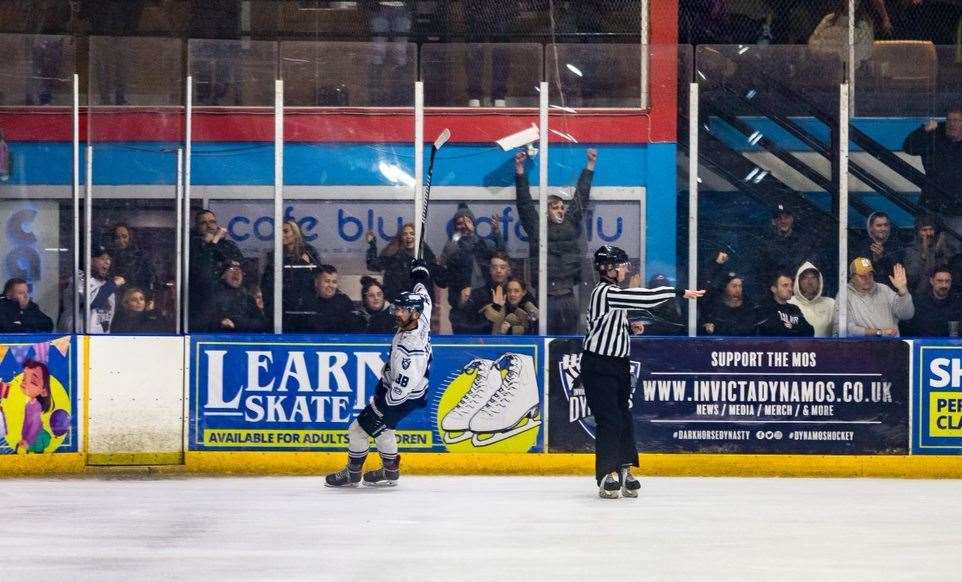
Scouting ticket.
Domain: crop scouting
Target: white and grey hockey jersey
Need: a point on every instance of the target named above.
(406, 374)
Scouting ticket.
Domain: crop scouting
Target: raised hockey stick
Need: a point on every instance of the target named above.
(443, 137)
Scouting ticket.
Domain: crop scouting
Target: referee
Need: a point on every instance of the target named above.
(605, 369)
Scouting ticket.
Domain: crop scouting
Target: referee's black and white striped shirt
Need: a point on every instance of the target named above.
(607, 315)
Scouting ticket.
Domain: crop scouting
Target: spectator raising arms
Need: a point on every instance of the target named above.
(466, 255)
(396, 258)
(564, 248)
(875, 309)
(377, 313)
(18, 314)
(300, 265)
(940, 146)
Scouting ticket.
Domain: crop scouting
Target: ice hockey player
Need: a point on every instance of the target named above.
(403, 387)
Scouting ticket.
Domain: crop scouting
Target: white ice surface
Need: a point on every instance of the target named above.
(479, 528)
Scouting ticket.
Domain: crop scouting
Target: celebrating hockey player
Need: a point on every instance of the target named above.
(403, 387)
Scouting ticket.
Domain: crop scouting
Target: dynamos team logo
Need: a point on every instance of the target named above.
(492, 402)
(569, 369)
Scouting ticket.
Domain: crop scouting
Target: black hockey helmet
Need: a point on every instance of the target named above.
(608, 256)
(410, 300)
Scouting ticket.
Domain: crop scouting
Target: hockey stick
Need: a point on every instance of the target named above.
(443, 137)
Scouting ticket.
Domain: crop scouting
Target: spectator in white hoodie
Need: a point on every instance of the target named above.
(817, 309)
(875, 309)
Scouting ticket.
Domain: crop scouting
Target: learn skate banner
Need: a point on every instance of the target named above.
(302, 392)
(746, 396)
(38, 394)
(937, 405)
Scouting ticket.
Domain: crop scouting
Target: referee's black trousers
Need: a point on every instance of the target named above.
(607, 382)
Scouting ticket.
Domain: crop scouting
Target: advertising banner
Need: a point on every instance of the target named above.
(38, 395)
(336, 229)
(746, 396)
(937, 403)
(302, 392)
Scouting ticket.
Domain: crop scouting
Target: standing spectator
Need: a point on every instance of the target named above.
(464, 259)
(779, 318)
(396, 258)
(136, 315)
(940, 146)
(564, 238)
(130, 261)
(831, 35)
(215, 74)
(816, 308)
(390, 24)
(875, 309)
(928, 250)
(512, 310)
(936, 307)
(786, 249)
(231, 308)
(489, 21)
(300, 265)
(18, 314)
(378, 313)
(333, 310)
(209, 250)
(728, 312)
(466, 316)
(882, 246)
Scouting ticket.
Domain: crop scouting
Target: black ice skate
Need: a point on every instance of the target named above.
(387, 475)
(349, 476)
(629, 485)
(609, 487)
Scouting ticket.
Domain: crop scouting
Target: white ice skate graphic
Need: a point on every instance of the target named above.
(514, 408)
(487, 381)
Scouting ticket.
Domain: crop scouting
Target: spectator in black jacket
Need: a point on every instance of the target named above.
(334, 311)
(18, 314)
(464, 259)
(929, 249)
(940, 146)
(231, 308)
(935, 308)
(375, 310)
(137, 315)
(881, 245)
(210, 249)
(300, 265)
(787, 249)
(564, 242)
(128, 260)
(395, 260)
(727, 311)
(776, 316)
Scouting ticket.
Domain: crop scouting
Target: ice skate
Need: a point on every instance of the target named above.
(629, 485)
(514, 408)
(487, 380)
(386, 476)
(609, 486)
(349, 476)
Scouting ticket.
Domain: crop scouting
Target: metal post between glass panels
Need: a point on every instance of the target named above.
(543, 208)
(692, 205)
(278, 203)
(842, 305)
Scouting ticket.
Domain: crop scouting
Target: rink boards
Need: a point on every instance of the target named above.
(281, 404)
